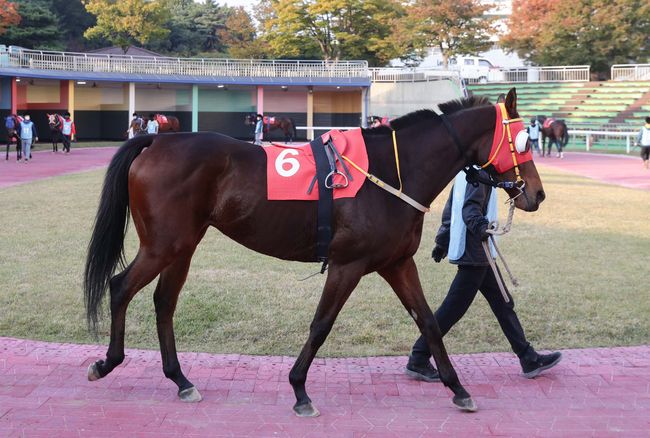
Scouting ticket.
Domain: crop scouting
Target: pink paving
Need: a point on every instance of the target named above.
(44, 392)
(45, 164)
(624, 170)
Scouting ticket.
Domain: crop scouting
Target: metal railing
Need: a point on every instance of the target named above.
(400, 74)
(590, 136)
(563, 73)
(14, 57)
(630, 72)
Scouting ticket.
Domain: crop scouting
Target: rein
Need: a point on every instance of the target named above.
(390, 189)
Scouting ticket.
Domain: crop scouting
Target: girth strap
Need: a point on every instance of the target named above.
(325, 202)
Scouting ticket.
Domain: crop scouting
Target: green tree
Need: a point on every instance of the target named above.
(125, 22)
(74, 20)
(38, 28)
(594, 32)
(329, 29)
(8, 15)
(456, 27)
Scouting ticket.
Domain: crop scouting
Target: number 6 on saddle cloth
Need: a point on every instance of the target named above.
(292, 173)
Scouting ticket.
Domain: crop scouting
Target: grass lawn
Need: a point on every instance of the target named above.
(581, 260)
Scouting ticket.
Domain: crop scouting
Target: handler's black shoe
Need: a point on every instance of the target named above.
(422, 371)
(533, 366)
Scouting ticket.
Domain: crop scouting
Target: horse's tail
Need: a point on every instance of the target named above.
(106, 247)
(565, 136)
(293, 128)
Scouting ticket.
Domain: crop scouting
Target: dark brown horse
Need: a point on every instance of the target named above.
(11, 124)
(285, 124)
(557, 133)
(55, 122)
(174, 198)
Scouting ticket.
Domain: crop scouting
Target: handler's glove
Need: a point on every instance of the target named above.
(438, 253)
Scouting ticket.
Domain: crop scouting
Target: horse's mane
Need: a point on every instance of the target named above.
(418, 116)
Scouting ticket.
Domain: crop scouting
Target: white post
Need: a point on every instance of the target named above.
(131, 100)
(627, 144)
(588, 141)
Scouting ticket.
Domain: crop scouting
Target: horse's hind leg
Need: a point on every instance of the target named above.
(165, 298)
(123, 288)
(404, 280)
(340, 283)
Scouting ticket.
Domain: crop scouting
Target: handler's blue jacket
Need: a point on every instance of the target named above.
(474, 215)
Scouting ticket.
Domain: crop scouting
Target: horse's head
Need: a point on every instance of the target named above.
(510, 157)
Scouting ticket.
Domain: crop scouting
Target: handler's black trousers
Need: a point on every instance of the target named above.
(66, 142)
(468, 281)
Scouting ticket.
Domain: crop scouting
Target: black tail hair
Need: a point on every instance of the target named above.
(565, 137)
(106, 247)
(293, 126)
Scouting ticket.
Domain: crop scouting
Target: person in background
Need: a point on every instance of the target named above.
(643, 140)
(135, 126)
(152, 125)
(465, 220)
(28, 136)
(533, 134)
(68, 131)
(259, 129)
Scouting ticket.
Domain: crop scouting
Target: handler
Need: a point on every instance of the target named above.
(643, 140)
(465, 220)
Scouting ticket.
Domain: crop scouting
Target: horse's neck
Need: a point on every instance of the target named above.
(431, 158)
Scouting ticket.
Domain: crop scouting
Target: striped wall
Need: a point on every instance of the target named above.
(101, 109)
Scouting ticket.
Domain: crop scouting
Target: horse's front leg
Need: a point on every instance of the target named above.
(341, 281)
(403, 278)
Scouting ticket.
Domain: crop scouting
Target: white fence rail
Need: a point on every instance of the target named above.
(12, 57)
(398, 74)
(564, 73)
(589, 137)
(630, 72)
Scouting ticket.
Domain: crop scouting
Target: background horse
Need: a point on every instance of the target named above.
(174, 198)
(285, 124)
(557, 133)
(165, 123)
(13, 136)
(55, 121)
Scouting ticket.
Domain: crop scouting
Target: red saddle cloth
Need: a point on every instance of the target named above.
(291, 169)
(548, 122)
(161, 119)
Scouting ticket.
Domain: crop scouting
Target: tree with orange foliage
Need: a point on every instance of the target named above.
(9, 15)
(594, 32)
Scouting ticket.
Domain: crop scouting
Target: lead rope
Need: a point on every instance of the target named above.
(494, 230)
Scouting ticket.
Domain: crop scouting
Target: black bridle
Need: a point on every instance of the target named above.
(472, 174)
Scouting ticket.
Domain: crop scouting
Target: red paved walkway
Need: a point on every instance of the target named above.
(624, 170)
(45, 164)
(44, 392)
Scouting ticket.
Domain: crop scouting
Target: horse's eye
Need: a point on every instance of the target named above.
(521, 142)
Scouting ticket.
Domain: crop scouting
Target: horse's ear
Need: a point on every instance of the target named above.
(511, 102)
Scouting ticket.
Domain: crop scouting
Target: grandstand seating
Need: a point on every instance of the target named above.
(610, 105)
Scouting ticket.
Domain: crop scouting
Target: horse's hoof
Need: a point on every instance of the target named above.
(465, 404)
(306, 410)
(93, 372)
(190, 395)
